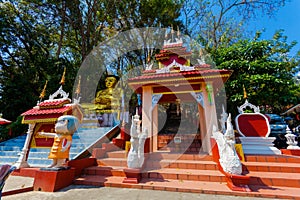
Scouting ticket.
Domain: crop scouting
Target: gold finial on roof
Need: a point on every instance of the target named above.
(43, 93)
(178, 32)
(62, 81)
(245, 93)
(148, 58)
(200, 53)
(78, 86)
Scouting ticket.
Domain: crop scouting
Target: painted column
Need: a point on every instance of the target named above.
(147, 113)
(202, 122)
(154, 127)
(22, 161)
(210, 115)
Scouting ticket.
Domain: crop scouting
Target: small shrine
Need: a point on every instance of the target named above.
(42, 118)
(186, 92)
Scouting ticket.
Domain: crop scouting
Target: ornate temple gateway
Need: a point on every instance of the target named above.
(186, 92)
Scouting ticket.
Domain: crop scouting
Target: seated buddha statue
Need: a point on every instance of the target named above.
(105, 100)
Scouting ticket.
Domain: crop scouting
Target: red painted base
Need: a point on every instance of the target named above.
(51, 181)
(132, 175)
(26, 172)
(238, 182)
(80, 164)
(293, 152)
(12, 192)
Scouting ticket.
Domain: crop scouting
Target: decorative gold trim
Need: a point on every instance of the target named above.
(32, 121)
(178, 79)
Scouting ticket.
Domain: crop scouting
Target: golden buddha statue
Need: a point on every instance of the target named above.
(105, 99)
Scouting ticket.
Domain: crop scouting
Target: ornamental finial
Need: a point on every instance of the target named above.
(78, 86)
(62, 81)
(43, 93)
(245, 93)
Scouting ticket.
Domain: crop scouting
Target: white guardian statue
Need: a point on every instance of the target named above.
(135, 157)
(229, 159)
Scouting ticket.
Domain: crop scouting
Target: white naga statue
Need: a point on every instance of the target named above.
(229, 159)
(135, 157)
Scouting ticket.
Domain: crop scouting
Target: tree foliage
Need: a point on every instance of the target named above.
(38, 39)
(220, 22)
(264, 68)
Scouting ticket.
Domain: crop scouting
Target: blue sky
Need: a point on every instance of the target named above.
(287, 18)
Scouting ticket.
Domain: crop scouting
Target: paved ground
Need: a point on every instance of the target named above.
(76, 192)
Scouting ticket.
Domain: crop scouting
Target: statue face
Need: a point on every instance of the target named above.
(110, 82)
(61, 126)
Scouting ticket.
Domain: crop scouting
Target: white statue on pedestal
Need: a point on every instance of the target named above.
(229, 159)
(135, 157)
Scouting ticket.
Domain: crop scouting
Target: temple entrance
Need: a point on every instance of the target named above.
(179, 127)
(187, 91)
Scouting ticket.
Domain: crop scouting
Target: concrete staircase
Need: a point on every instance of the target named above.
(272, 176)
(10, 149)
(86, 135)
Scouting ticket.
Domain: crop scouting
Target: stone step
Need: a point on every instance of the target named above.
(17, 144)
(8, 159)
(114, 162)
(11, 148)
(9, 153)
(39, 162)
(273, 167)
(216, 188)
(163, 155)
(165, 173)
(181, 164)
(272, 158)
(283, 179)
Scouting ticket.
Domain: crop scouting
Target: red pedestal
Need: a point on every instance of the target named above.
(51, 181)
(80, 164)
(132, 175)
(293, 152)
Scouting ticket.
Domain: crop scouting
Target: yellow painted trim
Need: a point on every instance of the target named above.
(39, 120)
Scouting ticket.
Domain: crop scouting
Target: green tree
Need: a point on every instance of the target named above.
(26, 59)
(38, 39)
(264, 68)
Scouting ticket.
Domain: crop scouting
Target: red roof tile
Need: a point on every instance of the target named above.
(37, 111)
(55, 102)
